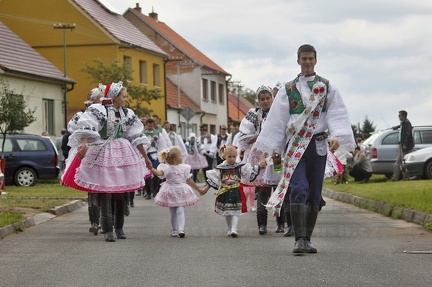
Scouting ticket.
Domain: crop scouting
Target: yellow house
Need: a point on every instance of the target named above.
(72, 33)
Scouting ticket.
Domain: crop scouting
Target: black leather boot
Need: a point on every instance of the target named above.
(106, 217)
(289, 232)
(94, 219)
(311, 218)
(262, 223)
(120, 207)
(280, 221)
(298, 212)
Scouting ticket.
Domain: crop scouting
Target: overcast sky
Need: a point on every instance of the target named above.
(378, 53)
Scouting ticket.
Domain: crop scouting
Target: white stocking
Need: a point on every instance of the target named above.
(173, 213)
(228, 221)
(181, 218)
(234, 222)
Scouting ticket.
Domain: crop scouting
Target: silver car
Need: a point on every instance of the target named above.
(382, 147)
(418, 163)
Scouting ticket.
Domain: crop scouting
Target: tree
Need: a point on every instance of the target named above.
(367, 129)
(250, 95)
(114, 71)
(356, 131)
(14, 113)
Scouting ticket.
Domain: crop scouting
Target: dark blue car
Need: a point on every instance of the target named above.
(29, 158)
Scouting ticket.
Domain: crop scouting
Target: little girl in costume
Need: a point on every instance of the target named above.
(226, 179)
(176, 192)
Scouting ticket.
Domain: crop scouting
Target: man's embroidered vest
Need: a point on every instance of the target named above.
(294, 96)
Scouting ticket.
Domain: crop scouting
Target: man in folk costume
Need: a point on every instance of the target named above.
(208, 148)
(304, 109)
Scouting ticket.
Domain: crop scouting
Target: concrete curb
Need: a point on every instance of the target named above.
(408, 215)
(40, 218)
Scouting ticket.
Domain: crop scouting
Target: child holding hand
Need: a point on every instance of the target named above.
(176, 192)
(226, 179)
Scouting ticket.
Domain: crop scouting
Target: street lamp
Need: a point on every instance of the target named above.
(64, 27)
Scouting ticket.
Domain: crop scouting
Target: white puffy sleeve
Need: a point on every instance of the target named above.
(250, 172)
(163, 141)
(338, 122)
(180, 143)
(88, 125)
(164, 168)
(214, 178)
(134, 130)
(272, 136)
(247, 129)
(186, 171)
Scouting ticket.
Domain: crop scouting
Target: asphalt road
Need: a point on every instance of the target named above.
(355, 248)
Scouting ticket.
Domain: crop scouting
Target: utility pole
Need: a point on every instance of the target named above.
(64, 27)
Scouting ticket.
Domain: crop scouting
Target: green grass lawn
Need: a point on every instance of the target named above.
(20, 201)
(410, 194)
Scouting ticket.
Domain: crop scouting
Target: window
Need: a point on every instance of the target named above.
(221, 94)
(156, 75)
(26, 145)
(213, 91)
(426, 137)
(48, 116)
(204, 89)
(143, 72)
(182, 130)
(127, 63)
(213, 129)
(8, 147)
(392, 138)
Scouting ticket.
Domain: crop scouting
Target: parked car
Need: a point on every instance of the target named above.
(382, 147)
(29, 158)
(418, 163)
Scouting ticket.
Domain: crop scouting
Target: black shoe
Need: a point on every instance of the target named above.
(289, 232)
(109, 237)
(234, 234)
(94, 228)
(299, 246)
(262, 229)
(120, 234)
(147, 196)
(279, 228)
(132, 204)
(181, 234)
(309, 248)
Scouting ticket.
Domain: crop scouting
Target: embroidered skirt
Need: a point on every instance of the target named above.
(229, 203)
(196, 161)
(174, 195)
(114, 168)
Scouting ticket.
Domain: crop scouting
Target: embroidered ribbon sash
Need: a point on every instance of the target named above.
(299, 135)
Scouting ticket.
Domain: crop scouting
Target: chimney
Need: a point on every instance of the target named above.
(137, 7)
(153, 15)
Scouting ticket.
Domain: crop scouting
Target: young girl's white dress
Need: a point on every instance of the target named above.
(175, 191)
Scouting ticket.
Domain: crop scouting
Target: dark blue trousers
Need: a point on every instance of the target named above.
(307, 179)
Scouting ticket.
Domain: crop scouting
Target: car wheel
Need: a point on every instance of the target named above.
(25, 176)
(428, 170)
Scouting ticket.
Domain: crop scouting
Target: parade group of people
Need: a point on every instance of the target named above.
(277, 155)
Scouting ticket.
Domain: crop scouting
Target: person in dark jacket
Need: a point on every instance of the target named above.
(406, 143)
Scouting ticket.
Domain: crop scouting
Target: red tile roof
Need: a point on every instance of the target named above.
(172, 98)
(178, 41)
(238, 107)
(16, 56)
(118, 26)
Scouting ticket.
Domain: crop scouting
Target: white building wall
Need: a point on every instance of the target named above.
(37, 91)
